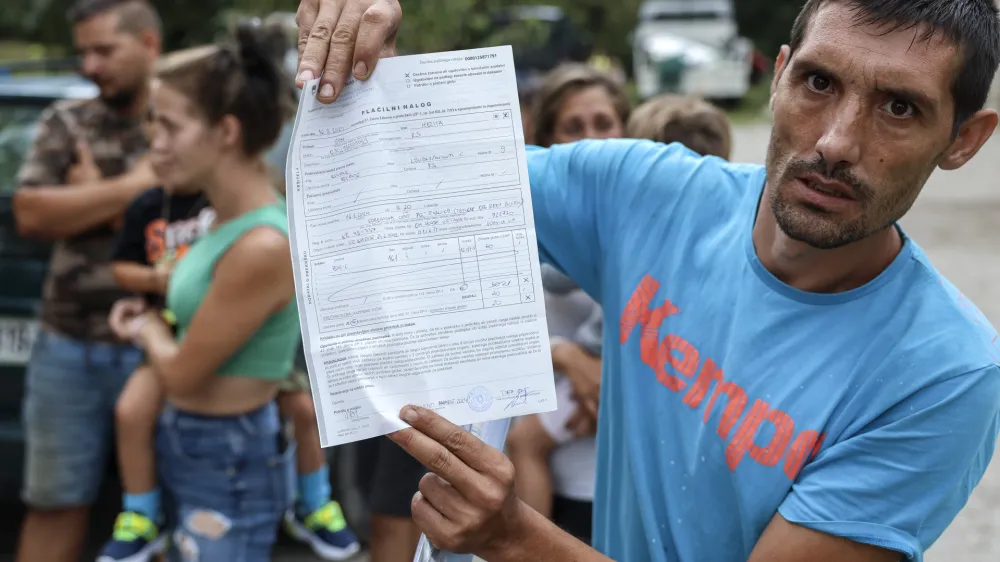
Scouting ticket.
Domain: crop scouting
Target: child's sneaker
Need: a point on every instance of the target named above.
(325, 530)
(135, 539)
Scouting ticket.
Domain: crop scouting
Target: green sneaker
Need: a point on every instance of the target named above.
(135, 539)
(325, 531)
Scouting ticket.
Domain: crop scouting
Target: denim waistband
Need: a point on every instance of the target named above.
(262, 421)
(86, 351)
(94, 344)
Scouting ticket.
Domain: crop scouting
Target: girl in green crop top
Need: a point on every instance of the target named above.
(217, 109)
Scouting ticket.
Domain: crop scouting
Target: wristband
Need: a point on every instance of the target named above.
(168, 316)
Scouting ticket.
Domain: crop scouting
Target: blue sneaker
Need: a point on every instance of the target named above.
(325, 531)
(135, 539)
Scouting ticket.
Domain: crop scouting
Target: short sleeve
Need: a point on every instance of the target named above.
(130, 245)
(583, 193)
(51, 154)
(899, 483)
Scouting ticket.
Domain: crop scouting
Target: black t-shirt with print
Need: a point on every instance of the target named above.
(158, 225)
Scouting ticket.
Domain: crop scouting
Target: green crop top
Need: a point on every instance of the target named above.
(269, 353)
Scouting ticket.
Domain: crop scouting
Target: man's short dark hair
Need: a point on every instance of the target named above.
(971, 24)
(135, 16)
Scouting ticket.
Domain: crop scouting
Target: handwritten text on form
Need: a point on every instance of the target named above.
(416, 262)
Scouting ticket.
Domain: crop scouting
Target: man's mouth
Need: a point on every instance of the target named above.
(833, 189)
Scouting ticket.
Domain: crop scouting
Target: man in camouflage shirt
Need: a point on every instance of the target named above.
(86, 165)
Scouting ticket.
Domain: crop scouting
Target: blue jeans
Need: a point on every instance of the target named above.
(226, 481)
(71, 388)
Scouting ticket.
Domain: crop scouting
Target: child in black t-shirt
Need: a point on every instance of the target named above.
(159, 227)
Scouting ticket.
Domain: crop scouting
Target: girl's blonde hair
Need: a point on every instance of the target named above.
(691, 121)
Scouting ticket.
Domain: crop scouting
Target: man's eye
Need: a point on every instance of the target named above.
(899, 108)
(817, 82)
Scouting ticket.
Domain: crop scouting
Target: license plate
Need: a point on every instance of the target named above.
(17, 335)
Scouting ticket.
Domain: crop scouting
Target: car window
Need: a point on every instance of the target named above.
(17, 125)
(683, 10)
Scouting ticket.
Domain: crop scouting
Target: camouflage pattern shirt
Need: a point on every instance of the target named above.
(80, 287)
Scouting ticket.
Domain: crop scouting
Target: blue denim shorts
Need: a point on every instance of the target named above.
(226, 482)
(71, 388)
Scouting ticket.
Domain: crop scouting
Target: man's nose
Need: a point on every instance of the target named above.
(157, 144)
(89, 64)
(595, 132)
(842, 142)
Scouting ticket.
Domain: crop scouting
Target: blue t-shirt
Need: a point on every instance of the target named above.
(729, 396)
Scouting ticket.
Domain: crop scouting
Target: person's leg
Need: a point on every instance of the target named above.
(573, 516)
(136, 412)
(529, 446)
(67, 424)
(315, 519)
(314, 489)
(393, 539)
(394, 535)
(227, 478)
(136, 535)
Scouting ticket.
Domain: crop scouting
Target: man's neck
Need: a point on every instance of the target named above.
(821, 271)
(137, 108)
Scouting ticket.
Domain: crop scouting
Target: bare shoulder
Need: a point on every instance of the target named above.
(260, 249)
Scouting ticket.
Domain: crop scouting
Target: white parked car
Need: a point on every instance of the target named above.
(691, 47)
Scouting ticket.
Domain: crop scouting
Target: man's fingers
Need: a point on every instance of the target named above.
(316, 24)
(305, 17)
(376, 36)
(467, 447)
(444, 497)
(83, 154)
(439, 460)
(340, 58)
(439, 530)
(338, 38)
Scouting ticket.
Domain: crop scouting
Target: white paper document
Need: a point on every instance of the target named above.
(416, 263)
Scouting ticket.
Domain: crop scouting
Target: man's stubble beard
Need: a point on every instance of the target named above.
(121, 100)
(125, 97)
(806, 225)
(798, 225)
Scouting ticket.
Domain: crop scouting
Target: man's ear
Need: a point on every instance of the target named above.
(780, 64)
(152, 41)
(972, 135)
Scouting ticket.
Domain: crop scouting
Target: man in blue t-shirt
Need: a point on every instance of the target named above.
(787, 378)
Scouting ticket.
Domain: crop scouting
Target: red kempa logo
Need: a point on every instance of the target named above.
(684, 359)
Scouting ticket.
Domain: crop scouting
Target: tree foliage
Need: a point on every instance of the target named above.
(767, 22)
(428, 25)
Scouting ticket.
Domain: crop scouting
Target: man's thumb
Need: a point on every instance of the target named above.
(83, 154)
